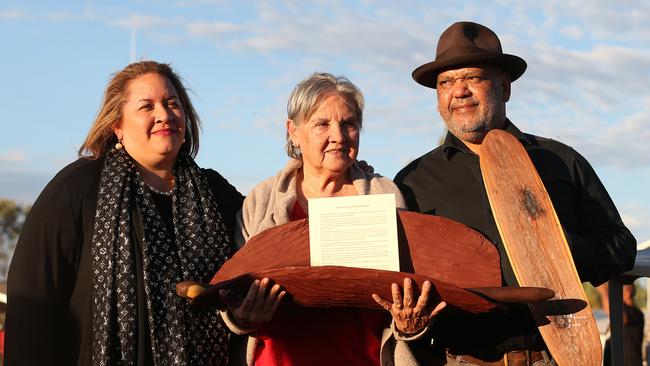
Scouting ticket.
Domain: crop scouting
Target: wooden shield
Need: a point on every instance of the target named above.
(449, 254)
(538, 251)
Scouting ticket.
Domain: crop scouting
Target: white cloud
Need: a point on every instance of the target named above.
(12, 14)
(211, 29)
(624, 142)
(573, 32)
(60, 16)
(586, 83)
(592, 95)
(623, 21)
(637, 218)
(631, 221)
(198, 3)
(13, 156)
(142, 21)
(580, 95)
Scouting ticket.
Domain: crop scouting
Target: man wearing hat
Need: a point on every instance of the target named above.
(472, 78)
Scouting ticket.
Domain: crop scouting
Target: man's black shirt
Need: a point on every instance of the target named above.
(447, 182)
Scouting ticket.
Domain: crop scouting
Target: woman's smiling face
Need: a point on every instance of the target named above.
(153, 121)
(329, 138)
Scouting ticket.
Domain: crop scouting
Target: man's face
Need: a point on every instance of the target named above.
(472, 101)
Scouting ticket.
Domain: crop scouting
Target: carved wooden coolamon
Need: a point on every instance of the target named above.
(449, 254)
(538, 251)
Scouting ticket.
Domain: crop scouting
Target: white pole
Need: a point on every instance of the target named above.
(133, 45)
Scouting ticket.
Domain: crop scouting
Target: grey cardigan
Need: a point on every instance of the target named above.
(269, 203)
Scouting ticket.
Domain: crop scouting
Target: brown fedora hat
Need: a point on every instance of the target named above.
(466, 43)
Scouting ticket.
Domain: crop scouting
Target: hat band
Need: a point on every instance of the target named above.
(466, 52)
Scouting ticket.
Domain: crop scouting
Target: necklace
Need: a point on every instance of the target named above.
(163, 193)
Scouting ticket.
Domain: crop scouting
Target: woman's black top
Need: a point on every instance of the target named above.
(49, 318)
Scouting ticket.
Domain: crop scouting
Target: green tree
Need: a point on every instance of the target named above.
(596, 302)
(12, 217)
(592, 296)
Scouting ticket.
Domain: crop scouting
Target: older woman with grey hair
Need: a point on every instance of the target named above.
(323, 128)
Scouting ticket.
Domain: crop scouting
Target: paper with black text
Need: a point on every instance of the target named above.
(354, 231)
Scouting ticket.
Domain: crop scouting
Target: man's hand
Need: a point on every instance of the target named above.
(365, 166)
(410, 318)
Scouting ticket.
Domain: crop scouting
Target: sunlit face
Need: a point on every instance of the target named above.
(153, 121)
(329, 138)
(472, 101)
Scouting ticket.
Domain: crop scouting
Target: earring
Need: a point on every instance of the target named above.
(118, 145)
(295, 148)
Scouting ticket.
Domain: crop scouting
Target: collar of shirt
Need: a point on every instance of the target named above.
(453, 145)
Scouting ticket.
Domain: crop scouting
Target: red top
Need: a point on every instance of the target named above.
(299, 335)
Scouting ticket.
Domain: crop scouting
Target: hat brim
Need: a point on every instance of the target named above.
(427, 74)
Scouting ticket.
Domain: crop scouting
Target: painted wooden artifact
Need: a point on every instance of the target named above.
(538, 251)
(449, 254)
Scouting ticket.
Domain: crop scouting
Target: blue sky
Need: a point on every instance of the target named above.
(586, 84)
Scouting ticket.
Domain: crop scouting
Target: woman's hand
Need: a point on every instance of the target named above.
(259, 305)
(410, 318)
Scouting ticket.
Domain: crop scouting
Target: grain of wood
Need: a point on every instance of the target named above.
(538, 251)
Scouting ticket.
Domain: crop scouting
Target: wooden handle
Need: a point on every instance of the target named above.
(189, 289)
(508, 295)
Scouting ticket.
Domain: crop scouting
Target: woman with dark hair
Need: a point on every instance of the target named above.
(92, 278)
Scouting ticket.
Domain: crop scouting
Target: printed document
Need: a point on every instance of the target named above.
(354, 231)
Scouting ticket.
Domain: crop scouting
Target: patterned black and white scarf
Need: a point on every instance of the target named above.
(180, 335)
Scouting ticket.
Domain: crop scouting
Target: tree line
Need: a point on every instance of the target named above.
(12, 217)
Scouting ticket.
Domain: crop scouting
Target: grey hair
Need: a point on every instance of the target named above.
(310, 93)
